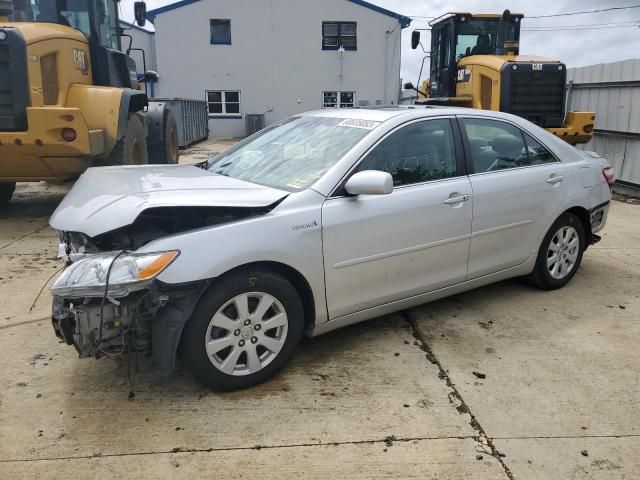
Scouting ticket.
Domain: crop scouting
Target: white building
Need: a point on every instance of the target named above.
(277, 57)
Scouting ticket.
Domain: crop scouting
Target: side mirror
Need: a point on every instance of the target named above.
(415, 39)
(369, 182)
(140, 12)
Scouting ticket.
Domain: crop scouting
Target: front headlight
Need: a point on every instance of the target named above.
(87, 277)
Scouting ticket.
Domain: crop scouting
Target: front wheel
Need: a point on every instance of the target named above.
(560, 254)
(243, 330)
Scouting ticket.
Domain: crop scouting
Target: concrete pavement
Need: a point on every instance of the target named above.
(392, 398)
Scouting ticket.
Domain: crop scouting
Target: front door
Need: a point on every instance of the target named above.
(518, 187)
(382, 248)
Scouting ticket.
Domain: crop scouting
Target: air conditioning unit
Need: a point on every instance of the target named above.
(254, 122)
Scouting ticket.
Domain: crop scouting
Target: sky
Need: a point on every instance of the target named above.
(587, 46)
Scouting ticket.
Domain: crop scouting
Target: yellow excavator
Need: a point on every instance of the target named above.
(70, 97)
(476, 63)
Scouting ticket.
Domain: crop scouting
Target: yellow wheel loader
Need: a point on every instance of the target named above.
(475, 62)
(69, 97)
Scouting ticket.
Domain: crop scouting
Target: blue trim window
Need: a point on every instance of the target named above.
(339, 34)
(338, 99)
(223, 103)
(220, 31)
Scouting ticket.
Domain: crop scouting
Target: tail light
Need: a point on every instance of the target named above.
(609, 175)
(68, 134)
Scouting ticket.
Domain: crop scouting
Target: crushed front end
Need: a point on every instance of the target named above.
(107, 303)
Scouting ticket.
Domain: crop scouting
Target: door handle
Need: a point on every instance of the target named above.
(458, 199)
(555, 179)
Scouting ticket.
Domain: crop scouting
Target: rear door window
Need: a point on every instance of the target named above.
(495, 145)
(538, 154)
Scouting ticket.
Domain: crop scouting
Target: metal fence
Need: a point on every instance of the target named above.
(192, 119)
(612, 90)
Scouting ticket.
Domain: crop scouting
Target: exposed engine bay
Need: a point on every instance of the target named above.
(155, 223)
(99, 327)
(148, 322)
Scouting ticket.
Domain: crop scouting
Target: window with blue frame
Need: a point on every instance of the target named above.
(220, 31)
(339, 34)
(223, 103)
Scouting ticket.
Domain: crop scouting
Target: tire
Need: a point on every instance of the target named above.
(167, 150)
(568, 254)
(6, 192)
(227, 365)
(132, 148)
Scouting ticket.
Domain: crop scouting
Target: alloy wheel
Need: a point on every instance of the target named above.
(246, 333)
(563, 251)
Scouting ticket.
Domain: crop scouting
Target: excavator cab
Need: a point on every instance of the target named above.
(455, 36)
(98, 21)
(476, 63)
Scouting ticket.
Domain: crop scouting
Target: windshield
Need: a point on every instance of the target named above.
(72, 13)
(479, 37)
(292, 154)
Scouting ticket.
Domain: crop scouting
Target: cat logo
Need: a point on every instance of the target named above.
(80, 61)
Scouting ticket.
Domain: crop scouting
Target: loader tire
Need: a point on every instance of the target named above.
(6, 192)
(166, 150)
(132, 148)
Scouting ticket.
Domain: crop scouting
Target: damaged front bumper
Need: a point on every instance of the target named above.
(148, 322)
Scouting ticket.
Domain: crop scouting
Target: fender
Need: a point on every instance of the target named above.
(131, 101)
(155, 122)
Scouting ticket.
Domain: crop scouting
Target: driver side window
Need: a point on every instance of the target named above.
(417, 153)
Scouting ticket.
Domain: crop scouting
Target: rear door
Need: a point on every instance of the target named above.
(518, 186)
(383, 248)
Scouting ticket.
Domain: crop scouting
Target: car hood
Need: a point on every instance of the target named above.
(107, 198)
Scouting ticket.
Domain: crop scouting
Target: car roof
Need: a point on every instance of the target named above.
(401, 113)
(382, 114)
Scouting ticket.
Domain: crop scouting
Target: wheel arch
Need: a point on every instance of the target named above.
(577, 210)
(131, 101)
(585, 218)
(156, 117)
(297, 280)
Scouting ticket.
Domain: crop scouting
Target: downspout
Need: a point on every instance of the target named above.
(387, 67)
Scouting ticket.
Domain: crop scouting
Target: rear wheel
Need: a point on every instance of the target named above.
(6, 192)
(132, 148)
(560, 254)
(244, 330)
(166, 151)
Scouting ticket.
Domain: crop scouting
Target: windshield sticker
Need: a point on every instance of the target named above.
(357, 123)
(297, 182)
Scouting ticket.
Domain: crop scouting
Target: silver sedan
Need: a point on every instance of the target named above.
(321, 220)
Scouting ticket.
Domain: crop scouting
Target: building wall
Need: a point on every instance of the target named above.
(612, 91)
(275, 58)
